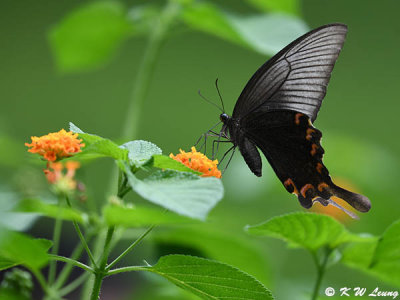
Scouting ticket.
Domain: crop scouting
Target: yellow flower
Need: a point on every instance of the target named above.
(57, 145)
(198, 162)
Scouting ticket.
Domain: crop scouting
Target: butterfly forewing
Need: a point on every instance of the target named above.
(295, 78)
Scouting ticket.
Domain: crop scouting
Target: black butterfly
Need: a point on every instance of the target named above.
(275, 112)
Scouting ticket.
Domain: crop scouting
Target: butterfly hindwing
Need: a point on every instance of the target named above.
(292, 146)
(250, 154)
(296, 78)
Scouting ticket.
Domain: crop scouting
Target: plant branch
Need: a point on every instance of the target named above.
(71, 261)
(125, 191)
(41, 280)
(62, 277)
(98, 279)
(82, 238)
(87, 288)
(56, 244)
(127, 269)
(133, 245)
(100, 272)
(321, 267)
(146, 69)
(107, 247)
(74, 284)
(139, 93)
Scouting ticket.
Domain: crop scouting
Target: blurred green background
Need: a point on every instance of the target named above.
(359, 120)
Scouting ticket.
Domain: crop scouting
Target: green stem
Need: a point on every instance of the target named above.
(127, 269)
(146, 69)
(73, 285)
(145, 73)
(87, 287)
(321, 267)
(98, 279)
(41, 280)
(133, 245)
(107, 245)
(82, 238)
(56, 244)
(101, 272)
(124, 192)
(63, 276)
(70, 261)
(139, 92)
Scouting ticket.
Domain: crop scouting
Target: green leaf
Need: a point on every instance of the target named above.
(308, 230)
(10, 219)
(380, 258)
(140, 152)
(209, 279)
(50, 210)
(96, 146)
(143, 17)
(139, 216)
(6, 264)
(102, 148)
(184, 193)
(7, 294)
(388, 248)
(16, 284)
(19, 248)
(166, 162)
(74, 128)
(266, 34)
(223, 245)
(89, 36)
(286, 6)
(359, 255)
(208, 18)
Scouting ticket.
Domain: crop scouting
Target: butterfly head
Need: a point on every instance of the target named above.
(224, 118)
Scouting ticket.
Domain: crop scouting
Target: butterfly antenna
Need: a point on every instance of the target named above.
(219, 94)
(210, 101)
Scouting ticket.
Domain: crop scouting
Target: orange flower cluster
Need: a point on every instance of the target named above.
(63, 183)
(57, 167)
(198, 162)
(57, 145)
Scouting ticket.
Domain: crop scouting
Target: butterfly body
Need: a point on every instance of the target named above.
(275, 114)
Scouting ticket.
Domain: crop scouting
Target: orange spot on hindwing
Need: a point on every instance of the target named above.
(309, 133)
(290, 186)
(319, 168)
(314, 148)
(322, 186)
(305, 188)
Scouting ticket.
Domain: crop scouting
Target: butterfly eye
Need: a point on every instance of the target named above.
(223, 117)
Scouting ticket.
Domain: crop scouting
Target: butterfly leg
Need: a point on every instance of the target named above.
(217, 141)
(205, 136)
(202, 136)
(225, 154)
(233, 149)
